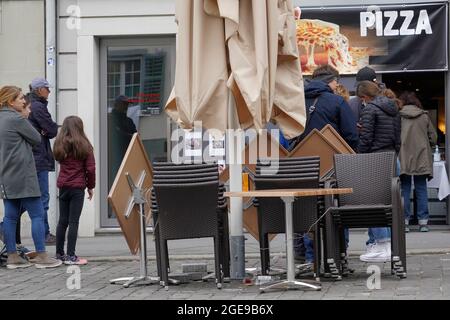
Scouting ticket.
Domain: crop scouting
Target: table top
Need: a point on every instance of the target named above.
(288, 192)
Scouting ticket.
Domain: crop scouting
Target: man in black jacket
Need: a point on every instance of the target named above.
(41, 119)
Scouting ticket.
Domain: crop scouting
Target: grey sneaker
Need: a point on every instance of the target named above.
(15, 261)
(43, 261)
(424, 228)
(50, 240)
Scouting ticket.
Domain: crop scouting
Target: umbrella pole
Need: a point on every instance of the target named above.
(237, 247)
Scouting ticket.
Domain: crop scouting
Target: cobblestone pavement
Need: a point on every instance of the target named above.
(428, 278)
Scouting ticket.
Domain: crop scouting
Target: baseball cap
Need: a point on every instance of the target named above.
(37, 83)
(366, 73)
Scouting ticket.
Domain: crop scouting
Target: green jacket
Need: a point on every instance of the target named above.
(18, 177)
(418, 135)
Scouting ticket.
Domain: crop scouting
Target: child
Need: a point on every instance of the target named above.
(75, 155)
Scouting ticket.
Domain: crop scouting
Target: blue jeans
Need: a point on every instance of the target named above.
(309, 246)
(45, 197)
(379, 235)
(382, 234)
(420, 185)
(12, 214)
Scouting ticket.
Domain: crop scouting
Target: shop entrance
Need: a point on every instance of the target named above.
(430, 89)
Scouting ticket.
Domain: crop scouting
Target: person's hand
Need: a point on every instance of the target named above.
(297, 13)
(90, 193)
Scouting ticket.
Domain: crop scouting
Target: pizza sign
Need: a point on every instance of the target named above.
(382, 37)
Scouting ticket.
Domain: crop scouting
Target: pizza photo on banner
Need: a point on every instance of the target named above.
(389, 38)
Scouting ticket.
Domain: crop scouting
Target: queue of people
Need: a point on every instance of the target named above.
(375, 120)
(26, 158)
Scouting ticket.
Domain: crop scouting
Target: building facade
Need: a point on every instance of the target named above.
(98, 50)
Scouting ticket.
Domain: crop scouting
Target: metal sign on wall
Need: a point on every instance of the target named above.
(389, 38)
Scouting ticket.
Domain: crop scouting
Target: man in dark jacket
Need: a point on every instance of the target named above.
(121, 130)
(325, 107)
(364, 74)
(41, 119)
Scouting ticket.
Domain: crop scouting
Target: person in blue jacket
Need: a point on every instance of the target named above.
(324, 107)
(42, 121)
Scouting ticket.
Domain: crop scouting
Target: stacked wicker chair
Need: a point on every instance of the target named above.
(292, 173)
(375, 202)
(188, 202)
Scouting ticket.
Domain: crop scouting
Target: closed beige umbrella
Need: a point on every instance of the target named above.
(200, 91)
(264, 76)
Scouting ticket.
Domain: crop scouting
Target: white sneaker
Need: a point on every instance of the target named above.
(378, 252)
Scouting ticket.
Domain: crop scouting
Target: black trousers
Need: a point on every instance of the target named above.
(70, 205)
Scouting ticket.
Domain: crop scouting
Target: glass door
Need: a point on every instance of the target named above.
(136, 79)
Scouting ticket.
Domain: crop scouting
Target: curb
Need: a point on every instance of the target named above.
(248, 256)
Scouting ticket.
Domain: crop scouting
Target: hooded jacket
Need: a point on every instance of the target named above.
(42, 121)
(418, 134)
(380, 126)
(329, 109)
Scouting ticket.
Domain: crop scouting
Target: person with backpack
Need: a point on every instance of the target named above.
(324, 107)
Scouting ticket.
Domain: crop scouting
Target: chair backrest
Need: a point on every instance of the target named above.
(173, 166)
(271, 211)
(186, 171)
(369, 174)
(187, 210)
(187, 197)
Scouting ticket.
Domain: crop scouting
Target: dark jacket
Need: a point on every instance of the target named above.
(355, 104)
(77, 173)
(380, 121)
(41, 119)
(329, 109)
(18, 178)
(418, 135)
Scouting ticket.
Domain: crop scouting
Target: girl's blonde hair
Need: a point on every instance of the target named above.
(342, 91)
(8, 94)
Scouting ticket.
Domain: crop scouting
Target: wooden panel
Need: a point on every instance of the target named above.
(316, 144)
(134, 162)
(335, 138)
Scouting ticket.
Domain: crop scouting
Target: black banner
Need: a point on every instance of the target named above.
(386, 37)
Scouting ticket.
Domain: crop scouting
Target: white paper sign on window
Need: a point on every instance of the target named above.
(193, 144)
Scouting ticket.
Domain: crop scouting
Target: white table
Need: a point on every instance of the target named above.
(288, 196)
(440, 180)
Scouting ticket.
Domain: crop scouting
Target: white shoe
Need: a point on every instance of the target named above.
(378, 252)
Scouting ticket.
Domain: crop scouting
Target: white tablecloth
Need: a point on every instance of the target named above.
(440, 180)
